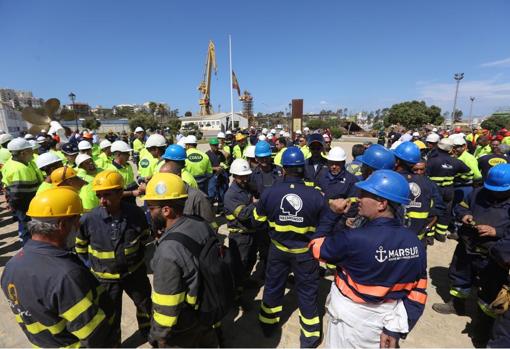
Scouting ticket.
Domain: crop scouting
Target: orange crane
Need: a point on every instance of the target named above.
(205, 85)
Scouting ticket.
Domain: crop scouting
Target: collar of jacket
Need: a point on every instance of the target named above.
(41, 247)
(318, 161)
(117, 165)
(291, 179)
(103, 213)
(384, 221)
(340, 174)
(174, 227)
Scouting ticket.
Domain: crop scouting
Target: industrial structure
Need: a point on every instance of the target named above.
(205, 85)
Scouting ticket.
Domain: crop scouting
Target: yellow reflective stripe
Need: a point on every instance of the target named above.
(81, 242)
(164, 320)
(214, 225)
(238, 210)
(168, 300)
(268, 321)
(80, 249)
(486, 309)
(310, 322)
(132, 249)
(77, 309)
(459, 294)
(18, 318)
(273, 310)
(310, 334)
(418, 215)
(230, 217)
(257, 217)
(464, 204)
(37, 327)
(291, 228)
(106, 275)
(290, 250)
(86, 330)
(102, 255)
(191, 300)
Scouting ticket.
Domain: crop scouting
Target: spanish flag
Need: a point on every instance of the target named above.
(235, 83)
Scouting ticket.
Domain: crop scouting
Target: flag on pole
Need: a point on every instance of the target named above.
(235, 83)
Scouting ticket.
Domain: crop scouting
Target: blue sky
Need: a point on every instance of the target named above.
(362, 55)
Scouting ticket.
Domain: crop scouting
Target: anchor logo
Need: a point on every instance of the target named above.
(381, 255)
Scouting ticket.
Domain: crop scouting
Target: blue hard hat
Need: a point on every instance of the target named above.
(409, 152)
(175, 152)
(262, 149)
(293, 156)
(378, 158)
(388, 185)
(498, 178)
(315, 137)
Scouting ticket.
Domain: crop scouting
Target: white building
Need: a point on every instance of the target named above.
(17, 99)
(214, 122)
(11, 120)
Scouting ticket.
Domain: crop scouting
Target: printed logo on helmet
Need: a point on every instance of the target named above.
(160, 188)
(290, 205)
(195, 157)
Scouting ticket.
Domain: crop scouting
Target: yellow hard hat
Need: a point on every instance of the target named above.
(61, 174)
(420, 144)
(107, 180)
(165, 186)
(240, 137)
(54, 203)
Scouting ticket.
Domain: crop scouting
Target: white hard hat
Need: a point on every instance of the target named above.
(250, 151)
(228, 132)
(81, 158)
(34, 144)
(282, 132)
(138, 129)
(44, 131)
(120, 146)
(432, 138)
(84, 145)
(459, 141)
(155, 140)
(298, 132)
(286, 134)
(262, 138)
(6, 137)
(434, 129)
(395, 144)
(240, 167)
(306, 129)
(46, 159)
(182, 142)
(264, 131)
(191, 139)
(41, 139)
(445, 144)
(416, 134)
(105, 144)
(273, 131)
(336, 154)
(29, 136)
(220, 135)
(18, 144)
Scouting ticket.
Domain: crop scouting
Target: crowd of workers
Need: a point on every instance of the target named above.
(296, 211)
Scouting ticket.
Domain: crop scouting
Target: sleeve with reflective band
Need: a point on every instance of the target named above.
(189, 179)
(21, 183)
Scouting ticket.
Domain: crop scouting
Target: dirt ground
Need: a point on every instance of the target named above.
(241, 327)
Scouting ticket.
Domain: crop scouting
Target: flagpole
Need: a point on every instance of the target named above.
(231, 92)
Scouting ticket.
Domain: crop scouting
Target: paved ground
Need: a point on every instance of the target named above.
(241, 328)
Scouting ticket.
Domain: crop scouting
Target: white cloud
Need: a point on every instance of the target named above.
(489, 94)
(501, 63)
(323, 102)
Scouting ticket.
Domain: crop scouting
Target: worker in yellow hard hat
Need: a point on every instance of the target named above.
(112, 238)
(422, 146)
(241, 146)
(166, 196)
(67, 176)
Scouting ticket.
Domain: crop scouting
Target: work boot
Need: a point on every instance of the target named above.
(430, 240)
(453, 306)
(267, 329)
(440, 237)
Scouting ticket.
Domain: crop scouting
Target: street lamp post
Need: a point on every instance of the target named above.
(472, 99)
(72, 97)
(457, 77)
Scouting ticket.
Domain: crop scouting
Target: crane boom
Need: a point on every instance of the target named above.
(205, 85)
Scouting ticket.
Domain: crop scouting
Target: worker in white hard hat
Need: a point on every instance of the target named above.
(155, 145)
(47, 163)
(138, 145)
(105, 157)
(21, 182)
(432, 140)
(224, 147)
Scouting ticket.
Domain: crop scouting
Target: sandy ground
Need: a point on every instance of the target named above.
(241, 327)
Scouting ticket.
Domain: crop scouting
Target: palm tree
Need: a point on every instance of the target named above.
(152, 107)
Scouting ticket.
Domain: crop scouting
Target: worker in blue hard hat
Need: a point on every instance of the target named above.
(376, 157)
(381, 268)
(316, 164)
(486, 220)
(291, 211)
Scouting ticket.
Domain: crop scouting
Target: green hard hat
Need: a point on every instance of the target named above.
(214, 141)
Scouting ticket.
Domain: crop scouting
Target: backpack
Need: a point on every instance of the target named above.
(220, 273)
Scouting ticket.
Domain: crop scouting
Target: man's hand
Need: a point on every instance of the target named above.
(467, 219)
(387, 341)
(349, 222)
(486, 230)
(339, 206)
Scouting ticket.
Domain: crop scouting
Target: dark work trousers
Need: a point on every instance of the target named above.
(262, 241)
(199, 336)
(138, 288)
(203, 183)
(501, 332)
(306, 274)
(245, 244)
(443, 221)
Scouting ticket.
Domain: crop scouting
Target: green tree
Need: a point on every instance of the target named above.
(91, 123)
(316, 124)
(413, 114)
(336, 132)
(143, 120)
(152, 107)
(496, 122)
(174, 124)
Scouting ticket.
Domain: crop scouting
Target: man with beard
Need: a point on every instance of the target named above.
(111, 239)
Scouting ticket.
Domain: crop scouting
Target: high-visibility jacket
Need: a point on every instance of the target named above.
(114, 247)
(56, 301)
(59, 154)
(38, 172)
(442, 168)
(137, 145)
(185, 175)
(238, 152)
(481, 151)
(473, 175)
(21, 183)
(127, 174)
(95, 151)
(198, 163)
(278, 157)
(306, 151)
(147, 165)
(103, 160)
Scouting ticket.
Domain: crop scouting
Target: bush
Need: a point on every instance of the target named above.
(336, 132)
(143, 121)
(91, 124)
